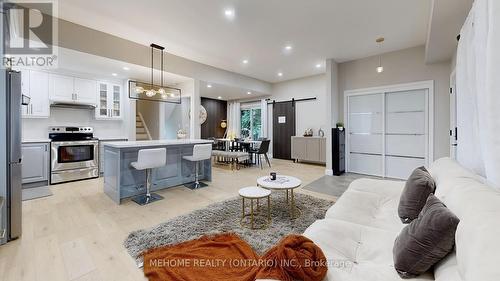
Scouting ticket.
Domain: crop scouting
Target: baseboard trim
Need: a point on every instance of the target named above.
(329, 172)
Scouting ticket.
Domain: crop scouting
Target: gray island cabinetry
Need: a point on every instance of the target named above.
(122, 181)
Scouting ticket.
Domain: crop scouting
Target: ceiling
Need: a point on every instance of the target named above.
(224, 92)
(315, 29)
(100, 68)
(447, 18)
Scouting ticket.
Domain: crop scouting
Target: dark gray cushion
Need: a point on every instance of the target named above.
(426, 240)
(418, 187)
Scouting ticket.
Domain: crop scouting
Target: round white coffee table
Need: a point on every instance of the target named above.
(255, 193)
(283, 183)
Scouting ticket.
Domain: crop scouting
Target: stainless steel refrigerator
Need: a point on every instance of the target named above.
(11, 212)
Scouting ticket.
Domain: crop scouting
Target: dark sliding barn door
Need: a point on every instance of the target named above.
(283, 129)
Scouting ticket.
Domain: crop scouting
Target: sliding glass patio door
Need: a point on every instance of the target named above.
(389, 133)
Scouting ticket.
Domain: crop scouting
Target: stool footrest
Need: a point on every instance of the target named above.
(194, 185)
(144, 199)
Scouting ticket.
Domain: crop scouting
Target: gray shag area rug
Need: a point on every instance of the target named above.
(225, 217)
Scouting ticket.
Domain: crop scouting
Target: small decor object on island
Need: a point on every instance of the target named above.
(273, 176)
(321, 133)
(308, 133)
(181, 134)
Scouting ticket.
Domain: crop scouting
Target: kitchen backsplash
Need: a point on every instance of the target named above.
(37, 128)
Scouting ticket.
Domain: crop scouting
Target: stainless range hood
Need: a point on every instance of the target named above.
(72, 105)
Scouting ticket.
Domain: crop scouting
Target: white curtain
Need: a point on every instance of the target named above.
(263, 116)
(233, 119)
(478, 91)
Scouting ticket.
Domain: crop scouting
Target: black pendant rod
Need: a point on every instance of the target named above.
(161, 48)
(161, 69)
(152, 66)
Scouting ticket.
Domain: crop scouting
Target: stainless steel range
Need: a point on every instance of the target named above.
(74, 154)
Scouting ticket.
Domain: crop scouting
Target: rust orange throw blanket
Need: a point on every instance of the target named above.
(226, 257)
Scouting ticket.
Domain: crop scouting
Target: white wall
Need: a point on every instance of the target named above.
(174, 117)
(309, 114)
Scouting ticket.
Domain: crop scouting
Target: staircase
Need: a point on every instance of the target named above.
(141, 131)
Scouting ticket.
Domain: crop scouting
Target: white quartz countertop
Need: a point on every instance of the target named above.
(35, 140)
(132, 144)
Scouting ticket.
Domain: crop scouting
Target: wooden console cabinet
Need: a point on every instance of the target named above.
(309, 149)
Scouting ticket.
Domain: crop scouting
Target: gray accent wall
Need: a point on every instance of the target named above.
(404, 66)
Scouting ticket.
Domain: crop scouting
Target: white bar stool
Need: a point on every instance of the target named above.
(200, 152)
(149, 159)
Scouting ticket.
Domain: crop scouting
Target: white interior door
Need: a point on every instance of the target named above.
(389, 130)
(365, 134)
(405, 132)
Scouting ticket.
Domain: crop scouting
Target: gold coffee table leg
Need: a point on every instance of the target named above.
(269, 209)
(251, 213)
(243, 208)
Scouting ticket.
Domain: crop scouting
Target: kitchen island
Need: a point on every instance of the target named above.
(122, 181)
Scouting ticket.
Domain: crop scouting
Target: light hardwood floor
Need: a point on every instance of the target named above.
(77, 233)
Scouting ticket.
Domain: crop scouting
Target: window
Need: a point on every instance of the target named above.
(251, 122)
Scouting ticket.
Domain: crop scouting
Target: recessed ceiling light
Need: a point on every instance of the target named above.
(209, 86)
(249, 93)
(126, 68)
(288, 47)
(318, 65)
(219, 97)
(229, 13)
(245, 61)
(114, 74)
(280, 74)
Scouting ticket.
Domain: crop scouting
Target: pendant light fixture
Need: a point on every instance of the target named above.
(151, 91)
(379, 41)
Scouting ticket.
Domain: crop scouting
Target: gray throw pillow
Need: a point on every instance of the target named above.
(426, 240)
(418, 187)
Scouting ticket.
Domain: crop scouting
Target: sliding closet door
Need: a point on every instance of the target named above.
(406, 132)
(365, 125)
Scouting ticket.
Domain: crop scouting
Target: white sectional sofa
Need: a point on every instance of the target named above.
(358, 232)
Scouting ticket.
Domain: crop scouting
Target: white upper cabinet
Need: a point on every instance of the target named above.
(67, 89)
(85, 91)
(109, 105)
(25, 90)
(61, 88)
(39, 92)
(35, 84)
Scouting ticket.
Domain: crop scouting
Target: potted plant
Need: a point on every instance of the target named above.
(340, 126)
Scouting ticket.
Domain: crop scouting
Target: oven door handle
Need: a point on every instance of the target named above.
(74, 143)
